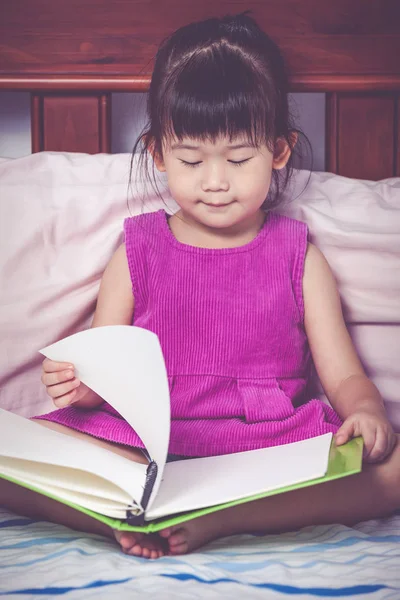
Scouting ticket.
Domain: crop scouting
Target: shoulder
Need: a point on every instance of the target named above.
(319, 285)
(291, 237)
(316, 267)
(144, 222)
(115, 300)
(144, 231)
(288, 225)
(118, 264)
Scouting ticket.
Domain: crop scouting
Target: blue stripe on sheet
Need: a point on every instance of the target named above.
(38, 542)
(289, 589)
(254, 566)
(16, 522)
(28, 563)
(58, 591)
(285, 589)
(350, 541)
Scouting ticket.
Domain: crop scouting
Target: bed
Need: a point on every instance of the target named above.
(71, 57)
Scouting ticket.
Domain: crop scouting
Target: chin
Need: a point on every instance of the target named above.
(222, 222)
(218, 218)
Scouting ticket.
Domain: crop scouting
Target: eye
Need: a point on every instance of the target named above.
(190, 164)
(239, 163)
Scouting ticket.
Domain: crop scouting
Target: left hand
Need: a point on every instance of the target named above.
(376, 431)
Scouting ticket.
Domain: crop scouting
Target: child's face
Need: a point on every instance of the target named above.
(219, 184)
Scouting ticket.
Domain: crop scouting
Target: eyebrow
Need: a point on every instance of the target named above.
(191, 147)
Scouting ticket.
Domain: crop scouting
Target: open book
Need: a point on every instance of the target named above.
(125, 366)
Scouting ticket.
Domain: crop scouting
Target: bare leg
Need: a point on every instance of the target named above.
(371, 494)
(29, 503)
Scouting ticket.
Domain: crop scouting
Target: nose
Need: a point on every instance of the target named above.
(214, 178)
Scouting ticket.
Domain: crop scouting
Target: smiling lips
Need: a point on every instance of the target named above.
(217, 205)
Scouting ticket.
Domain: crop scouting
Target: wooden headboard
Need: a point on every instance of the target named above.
(71, 55)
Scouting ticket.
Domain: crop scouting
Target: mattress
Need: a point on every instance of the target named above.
(42, 560)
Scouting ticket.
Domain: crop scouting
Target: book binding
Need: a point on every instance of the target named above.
(151, 476)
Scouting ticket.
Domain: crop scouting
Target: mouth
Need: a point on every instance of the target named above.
(217, 204)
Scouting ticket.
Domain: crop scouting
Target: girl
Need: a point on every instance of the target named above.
(239, 299)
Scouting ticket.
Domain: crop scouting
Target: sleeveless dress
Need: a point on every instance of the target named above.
(231, 326)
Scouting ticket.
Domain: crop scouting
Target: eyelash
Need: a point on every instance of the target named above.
(238, 163)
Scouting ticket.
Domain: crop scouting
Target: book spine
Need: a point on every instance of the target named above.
(151, 476)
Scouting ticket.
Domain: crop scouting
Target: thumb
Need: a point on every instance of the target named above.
(345, 433)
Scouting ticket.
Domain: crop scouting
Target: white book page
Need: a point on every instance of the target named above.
(104, 506)
(125, 366)
(73, 480)
(201, 482)
(23, 439)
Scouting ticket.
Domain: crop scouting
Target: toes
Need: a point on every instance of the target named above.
(141, 545)
(177, 542)
(146, 552)
(177, 538)
(136, 550)
(181, 548)
(126, 540)
(165, 533)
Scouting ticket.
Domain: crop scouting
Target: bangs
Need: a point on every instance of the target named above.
(216, 94)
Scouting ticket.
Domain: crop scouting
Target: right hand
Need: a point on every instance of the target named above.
(61, 384)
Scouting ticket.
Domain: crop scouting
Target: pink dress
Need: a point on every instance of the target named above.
(231, 326)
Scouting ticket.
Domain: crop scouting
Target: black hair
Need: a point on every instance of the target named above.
(220, 77)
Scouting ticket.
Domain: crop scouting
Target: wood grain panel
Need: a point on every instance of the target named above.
(71, 123)
(36, 122)
(120, 37)
(331, 132)
(128, 83)
(366, 139)
(397, 137)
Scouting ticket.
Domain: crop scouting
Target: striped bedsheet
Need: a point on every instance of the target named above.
(42, 560)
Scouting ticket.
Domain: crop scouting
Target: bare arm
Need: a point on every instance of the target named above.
(338, 366)
(343, 379)
(115, 305)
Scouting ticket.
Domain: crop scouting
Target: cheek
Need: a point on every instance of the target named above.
(181, 179)
(255, 185)
(179, 187)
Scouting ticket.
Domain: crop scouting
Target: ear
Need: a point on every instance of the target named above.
(158, 161)
(283, 151)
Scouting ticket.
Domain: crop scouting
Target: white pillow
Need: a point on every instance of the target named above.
(356, 224)
(61, 219)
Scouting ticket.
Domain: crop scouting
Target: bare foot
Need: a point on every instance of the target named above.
(193, 534)
(140, 544)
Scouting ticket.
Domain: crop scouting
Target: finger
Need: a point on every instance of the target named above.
(51, 365)
(57, 377)
(368, 436)
(379, 449)
(56, 391)
(66, 400)
(345, 433)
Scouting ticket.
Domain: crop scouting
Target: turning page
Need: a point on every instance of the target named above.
(125, 366)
